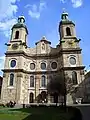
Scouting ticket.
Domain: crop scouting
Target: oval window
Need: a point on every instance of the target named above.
(72, 61)
(32, 66)
(54, 65)
(13, 63)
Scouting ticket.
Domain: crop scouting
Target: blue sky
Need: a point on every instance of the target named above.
(42, 19)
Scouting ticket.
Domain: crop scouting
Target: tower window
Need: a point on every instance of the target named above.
(74, 78)
(68, 32)
(31, 81)
(11, 79)
(13, 63)
(17, 35)
(43, 81)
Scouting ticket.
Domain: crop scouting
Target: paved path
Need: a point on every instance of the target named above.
(85, 110)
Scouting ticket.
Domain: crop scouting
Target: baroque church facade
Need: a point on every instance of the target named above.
(28, 70)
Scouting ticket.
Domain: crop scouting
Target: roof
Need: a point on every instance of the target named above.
(20, 25)
(87, 75)
(66, 22)
(43, 40)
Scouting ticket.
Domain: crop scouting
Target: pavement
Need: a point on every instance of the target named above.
(85, 110)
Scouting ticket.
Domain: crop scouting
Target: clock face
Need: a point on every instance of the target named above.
(15, 46)
(71, 43)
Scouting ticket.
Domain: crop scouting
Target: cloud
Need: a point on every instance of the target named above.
(35, 11)
(63, 1)
(2, 60)
(6, 26)
(77, 3)
(8, 10)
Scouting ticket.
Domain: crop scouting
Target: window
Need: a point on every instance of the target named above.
(43, 66)
(74, 78)
(31, 81)
(72, 61)
(13, 63)
(31, 97)
(68, 32)
(11, 79)
(54, 65)
(32, 66)
(17, 35)
(43, 81)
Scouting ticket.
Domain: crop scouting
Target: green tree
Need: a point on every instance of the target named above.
(60, 85)
(55, 87)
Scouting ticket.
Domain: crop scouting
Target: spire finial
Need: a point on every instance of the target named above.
(43, 38)
(63, 10)
(21, 19)
(64, 15)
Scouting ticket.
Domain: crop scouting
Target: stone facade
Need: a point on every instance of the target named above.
(17, 71)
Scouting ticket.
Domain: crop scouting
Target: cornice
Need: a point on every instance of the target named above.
(46, 56)
(22, 53)
(43, 72)
(29, 72)
(73, 68)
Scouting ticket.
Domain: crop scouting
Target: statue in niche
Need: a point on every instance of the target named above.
(43, 46)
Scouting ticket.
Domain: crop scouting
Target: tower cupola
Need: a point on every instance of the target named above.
(66, 27)
(20, 23)
(64, 16)
(21, 19)
(19, 30)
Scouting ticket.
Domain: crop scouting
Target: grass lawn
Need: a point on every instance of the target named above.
(38, 113)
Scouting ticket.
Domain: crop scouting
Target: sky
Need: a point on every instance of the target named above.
(42, 19)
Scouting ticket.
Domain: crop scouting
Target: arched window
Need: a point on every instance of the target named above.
(17, 35)
(31, 81)
(31, 98)
(68, 32)
(74, 78)
(11, 79)
(43, 81)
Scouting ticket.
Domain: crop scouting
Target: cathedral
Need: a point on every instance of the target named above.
(28, 70)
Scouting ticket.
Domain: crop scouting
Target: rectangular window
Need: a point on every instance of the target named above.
(11, 79)
(31, 81)
(43, 81)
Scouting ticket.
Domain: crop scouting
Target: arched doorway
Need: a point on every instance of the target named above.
(31, 98)
(44, 96)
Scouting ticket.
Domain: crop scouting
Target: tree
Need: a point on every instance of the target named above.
(56, 87)
(60, 85)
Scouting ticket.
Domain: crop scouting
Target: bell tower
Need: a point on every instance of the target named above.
(19, 31)
(66, 27)
(71, 57)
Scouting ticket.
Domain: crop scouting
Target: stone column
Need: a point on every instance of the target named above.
(49, 99)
